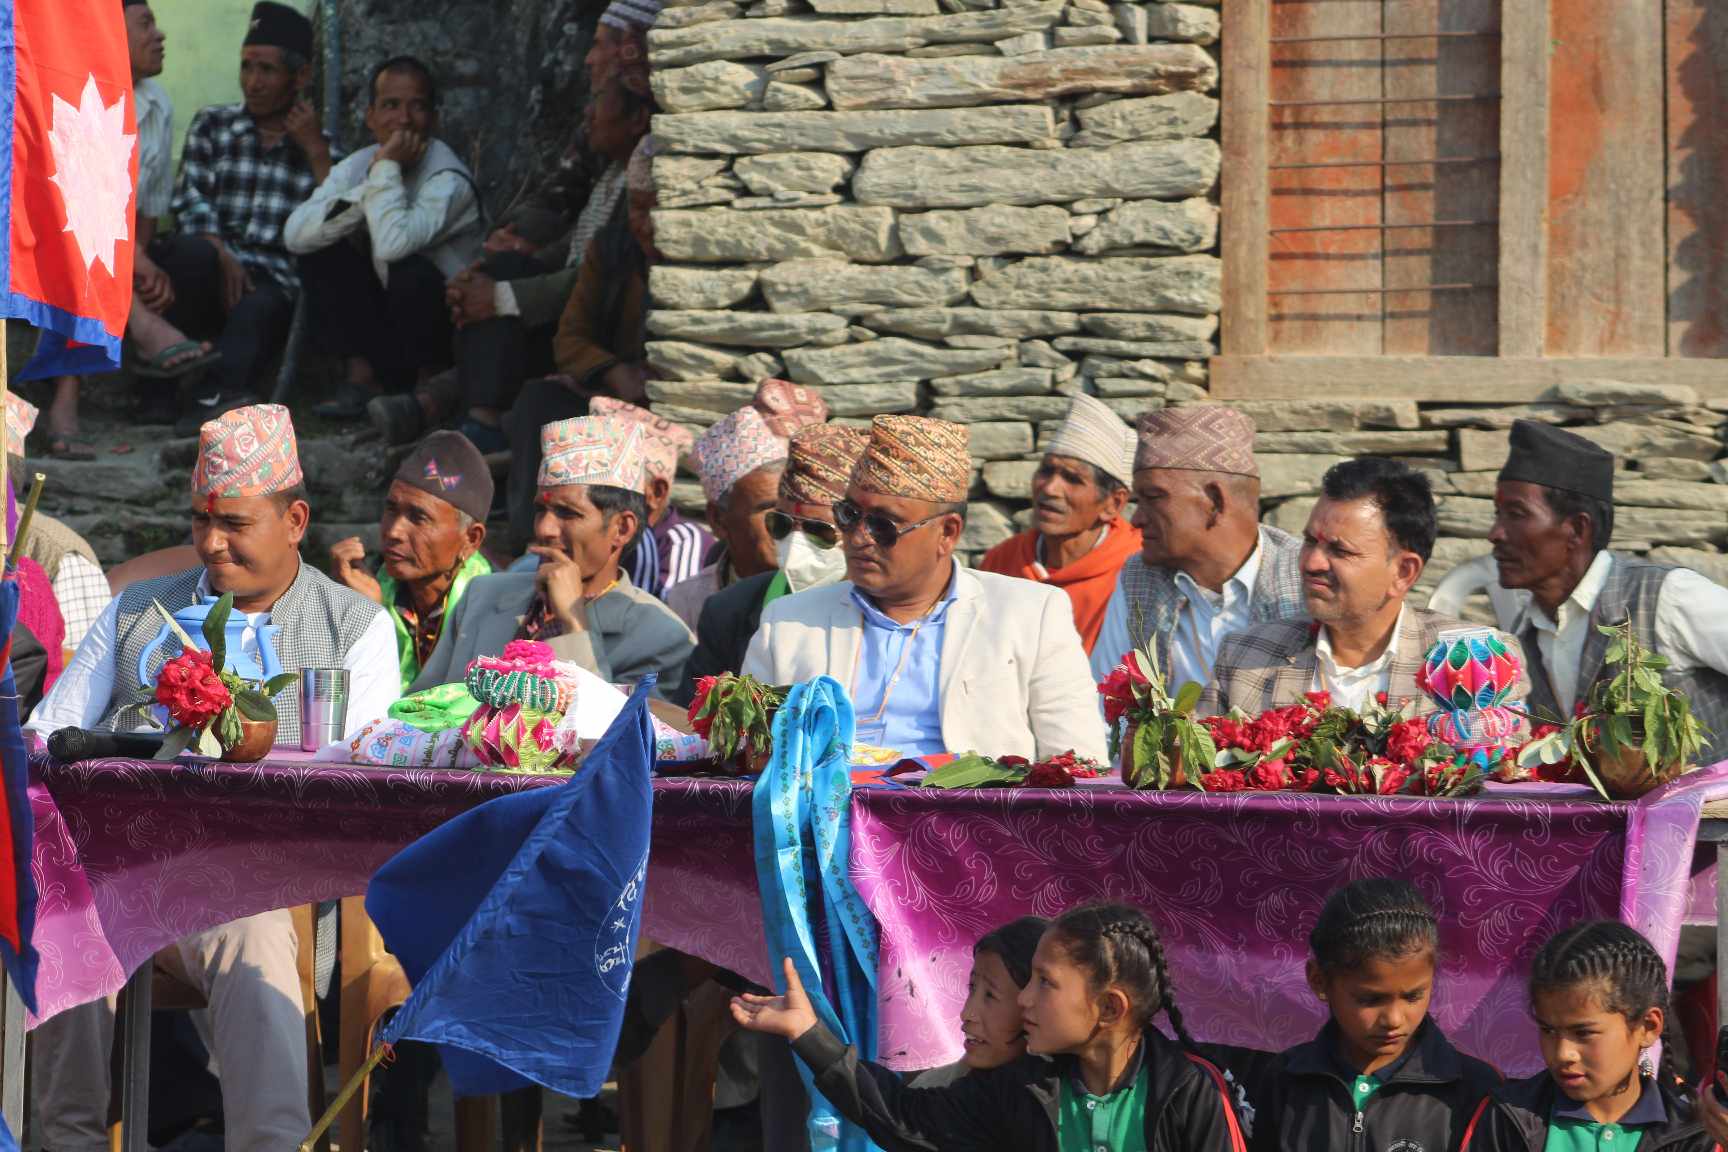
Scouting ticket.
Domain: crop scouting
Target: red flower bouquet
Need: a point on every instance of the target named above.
(735, 714)
(211, 708)
(1154, 736)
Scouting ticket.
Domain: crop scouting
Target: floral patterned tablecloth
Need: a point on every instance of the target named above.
(131, 855)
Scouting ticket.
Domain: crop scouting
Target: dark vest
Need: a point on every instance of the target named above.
(319, 620)
(1633, 591)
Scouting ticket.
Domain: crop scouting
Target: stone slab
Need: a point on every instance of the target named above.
(722, 235)
(750, 329)
(747, 39)
(1327, 415)
(811, 285)
(735, 133)
(675, 286)
(680, 360)
(880, 81)
(776, 172)
(935, 323)
(707, 87)
(1355, 443)
(1166, 117)
(890, 358)
(920, 177)
(1148, 327)
(719, 396)
(870, 399)
(1184, 226)
(1295, 474)
(991, 408)
(1135, 349)
(1005, 382)
(1190, 284)
(993, 440)
(992, 230)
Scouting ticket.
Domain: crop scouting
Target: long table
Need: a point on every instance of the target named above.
(131, 855)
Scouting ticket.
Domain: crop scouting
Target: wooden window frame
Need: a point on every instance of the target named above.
(1520, 373)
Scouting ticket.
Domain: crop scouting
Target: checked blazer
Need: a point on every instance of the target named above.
(1272, 665)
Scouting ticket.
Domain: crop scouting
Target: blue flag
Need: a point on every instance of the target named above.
(516, 922)
(17, 884)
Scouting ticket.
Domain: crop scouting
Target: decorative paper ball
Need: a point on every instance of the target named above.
(1469, 669)
(1468, 729)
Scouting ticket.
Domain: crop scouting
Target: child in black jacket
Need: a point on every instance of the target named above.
(1380, 1074)
(1599, 993)
(1097, 1077)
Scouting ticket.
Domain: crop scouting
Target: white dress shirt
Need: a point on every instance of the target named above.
(1691, 626)
(431, 210)
(1352, 687)
(155, 148)
(82, 694)
(1200, 628)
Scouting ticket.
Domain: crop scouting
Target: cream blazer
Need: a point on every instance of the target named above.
(1014, 677)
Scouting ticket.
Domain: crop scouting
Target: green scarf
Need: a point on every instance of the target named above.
(475, 565)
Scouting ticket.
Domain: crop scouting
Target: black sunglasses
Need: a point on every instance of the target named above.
(882, 529)
(781, 525)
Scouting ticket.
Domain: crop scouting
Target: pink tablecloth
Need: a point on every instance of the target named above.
(131, 855)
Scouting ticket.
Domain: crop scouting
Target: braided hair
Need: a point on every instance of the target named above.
(1375, 918)
(1617, 959)
(1014, 943)
(1117, 945)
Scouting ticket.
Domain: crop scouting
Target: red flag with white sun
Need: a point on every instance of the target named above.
(67, 118)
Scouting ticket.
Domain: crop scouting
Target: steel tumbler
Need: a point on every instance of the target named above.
(323, 707)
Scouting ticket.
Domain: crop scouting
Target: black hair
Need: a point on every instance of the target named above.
(287, 496)
(293, 61)
(610, 501)
(1402, 494)
(410, 65)
(1374, 918)
(1014, 943)
(1108, 485)
(1116, 944)
(1607, 952)
(1565, 505)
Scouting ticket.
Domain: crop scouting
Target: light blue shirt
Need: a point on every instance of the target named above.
(1200, 627)
(900, 666)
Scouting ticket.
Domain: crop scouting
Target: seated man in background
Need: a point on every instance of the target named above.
(807, 548)
(66, 558)
(433, 526)
(936, 657)
(1207, 566)
(580, 601)
(243, 169)
(1366, 543)
(380, 237)
(249, 515)
(739, 460)
(598, 349)
(675, 547)
(1078, 541)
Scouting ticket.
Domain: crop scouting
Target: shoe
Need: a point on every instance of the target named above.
(202, 409)
(349, 403)
(486, 437)
(397, 417)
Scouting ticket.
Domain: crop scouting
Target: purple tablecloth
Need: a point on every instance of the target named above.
(131, 855)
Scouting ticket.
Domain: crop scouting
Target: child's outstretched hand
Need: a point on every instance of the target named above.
(789, 1016)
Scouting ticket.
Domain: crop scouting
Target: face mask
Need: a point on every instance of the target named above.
(807, 566)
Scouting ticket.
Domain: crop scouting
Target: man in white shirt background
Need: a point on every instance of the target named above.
(1553, 519)
(1364, 547)
(381, 237)
(249, 515)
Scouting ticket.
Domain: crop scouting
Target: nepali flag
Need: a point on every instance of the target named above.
(68, 136)
(17, 886)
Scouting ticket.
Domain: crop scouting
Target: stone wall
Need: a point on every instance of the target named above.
(938, 206)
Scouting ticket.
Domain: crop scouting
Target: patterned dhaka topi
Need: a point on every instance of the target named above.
(666, 441)
(1199, 437)
(601, 451)
(755, 436)
(820, 464)
(1095, 434)
(250, 451)
(917, 458)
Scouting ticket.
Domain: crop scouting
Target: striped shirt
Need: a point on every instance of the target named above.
(671, 552)
(155, 149)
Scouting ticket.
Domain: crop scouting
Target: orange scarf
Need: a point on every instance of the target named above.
(1089, 581)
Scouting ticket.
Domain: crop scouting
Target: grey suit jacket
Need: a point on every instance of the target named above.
(1272, 665)
(629, 633)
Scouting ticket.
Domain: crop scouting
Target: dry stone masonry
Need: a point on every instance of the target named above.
(974, 208)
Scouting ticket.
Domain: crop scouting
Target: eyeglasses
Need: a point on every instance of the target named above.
(882, 529)
(781, 525)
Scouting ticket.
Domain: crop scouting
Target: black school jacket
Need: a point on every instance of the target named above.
(1518, 1121)
(1014, 1108)
(1299, 1100)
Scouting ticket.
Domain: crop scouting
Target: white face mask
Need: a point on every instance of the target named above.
(808, 566)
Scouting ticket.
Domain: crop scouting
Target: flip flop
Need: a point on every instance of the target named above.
(70, 448)
(155, 368)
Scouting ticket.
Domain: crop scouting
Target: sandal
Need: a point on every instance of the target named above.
(158, 368)
(71, 448)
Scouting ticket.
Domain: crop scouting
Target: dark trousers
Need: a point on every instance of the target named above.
(541, 402)
(247, 335)
(400, 328)
(495, 356)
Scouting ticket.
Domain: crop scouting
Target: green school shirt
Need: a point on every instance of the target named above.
(1362, 1090)
(1570, 1128)
(1113, 1123)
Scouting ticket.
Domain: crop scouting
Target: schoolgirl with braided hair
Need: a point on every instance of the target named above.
(1380, 1074)
(1599, 996)
(1097, 1076)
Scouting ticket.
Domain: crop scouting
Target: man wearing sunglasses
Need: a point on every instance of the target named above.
(936, 657)
(806, 544)
(1079, 539)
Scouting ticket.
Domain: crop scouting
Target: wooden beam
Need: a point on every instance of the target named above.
(1524, 48)
(1446, 379)
(1247, 90)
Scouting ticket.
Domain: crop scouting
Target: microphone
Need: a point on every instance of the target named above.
(85, 744)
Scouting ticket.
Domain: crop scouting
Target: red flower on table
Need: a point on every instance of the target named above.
(1224, 780)
(191, 689)
(1407, 740)
(698, 723)
(1049, 774)
(1122, 689)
